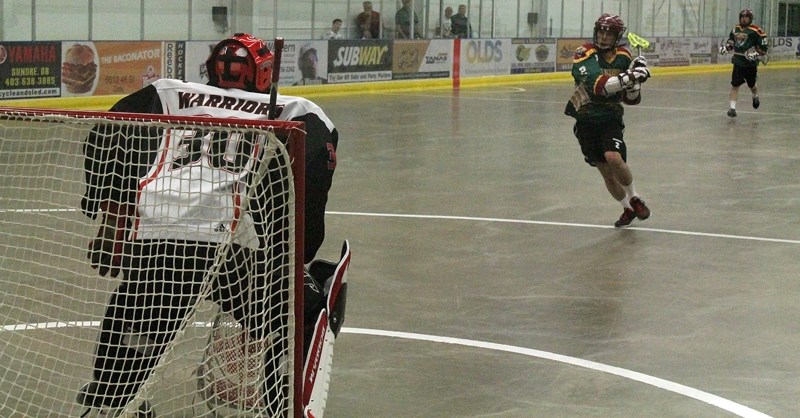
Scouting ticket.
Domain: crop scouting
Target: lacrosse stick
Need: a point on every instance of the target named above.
(764, 58)
(637, 42)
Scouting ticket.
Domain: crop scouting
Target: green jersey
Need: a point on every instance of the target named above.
(745, 39)
(590, 70)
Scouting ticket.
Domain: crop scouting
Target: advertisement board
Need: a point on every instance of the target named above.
(784, 48)
(107, 68)
(422, 59)
(305, 63)
(566, 49)
(670, 52)
(197, 53)
(84, 68)
(481, 57)
(533, 55)
(174, 60)
(701, 50)
(30, 70)
(351, 61)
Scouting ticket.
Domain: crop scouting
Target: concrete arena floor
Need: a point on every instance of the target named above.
(487, 279)
(474, 221)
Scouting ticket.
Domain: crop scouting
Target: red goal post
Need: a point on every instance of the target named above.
(53, 302)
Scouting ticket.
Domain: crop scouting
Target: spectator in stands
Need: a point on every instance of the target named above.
(459, 23)
(334, 32)
(369, 23)
(402, 20)
(443, 30)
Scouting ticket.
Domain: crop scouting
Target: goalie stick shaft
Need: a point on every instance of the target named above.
(276, 75)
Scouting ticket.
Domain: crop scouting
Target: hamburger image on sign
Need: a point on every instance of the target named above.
(79, 69)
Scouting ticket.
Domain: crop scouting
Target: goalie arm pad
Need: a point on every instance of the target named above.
(105, 250)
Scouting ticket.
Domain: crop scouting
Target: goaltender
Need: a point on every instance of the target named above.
(168, 201)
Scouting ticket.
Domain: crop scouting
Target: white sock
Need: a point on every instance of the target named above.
(733, 104)
(626, 203)
(630, 192)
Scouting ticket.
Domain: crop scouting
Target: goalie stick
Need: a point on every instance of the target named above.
(276, 74)
(637, 42)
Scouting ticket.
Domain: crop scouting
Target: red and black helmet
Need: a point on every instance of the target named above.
(746, 13)
(610, 23)
(241, 62)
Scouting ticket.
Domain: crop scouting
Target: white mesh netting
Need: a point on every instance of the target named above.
(200, 322)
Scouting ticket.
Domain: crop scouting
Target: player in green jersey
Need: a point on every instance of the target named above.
(606, 76)
(748, 43)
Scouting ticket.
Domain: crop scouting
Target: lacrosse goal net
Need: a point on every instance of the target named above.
(52, 302)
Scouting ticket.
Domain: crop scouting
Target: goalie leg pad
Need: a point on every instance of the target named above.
(317, 370)
(319, 358)
(334, 276)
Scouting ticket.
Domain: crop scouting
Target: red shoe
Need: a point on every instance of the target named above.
(640, 209)
(625, 219)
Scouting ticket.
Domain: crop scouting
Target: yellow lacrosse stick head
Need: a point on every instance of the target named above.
(637, 42)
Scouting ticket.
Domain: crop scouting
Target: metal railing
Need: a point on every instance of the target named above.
(32, 20)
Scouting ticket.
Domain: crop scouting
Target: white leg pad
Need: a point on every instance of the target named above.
(317, 371)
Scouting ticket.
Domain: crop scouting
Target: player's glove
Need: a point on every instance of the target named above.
(633, 76)
(105, 250)
(639, 61)
(632, 89)
(723, 49)
(753, 54)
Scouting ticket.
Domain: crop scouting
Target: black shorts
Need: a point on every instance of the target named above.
(742, 74)
(597, 138)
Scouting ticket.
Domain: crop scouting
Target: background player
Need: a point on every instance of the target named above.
(748, 42)
(164, 259)
(605, 75)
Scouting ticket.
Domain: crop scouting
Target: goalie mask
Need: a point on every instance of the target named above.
(746, 13)
(610, 23)
(241, 62)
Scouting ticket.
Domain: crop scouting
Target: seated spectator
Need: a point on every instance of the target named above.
(334, 32)
(368, 23)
